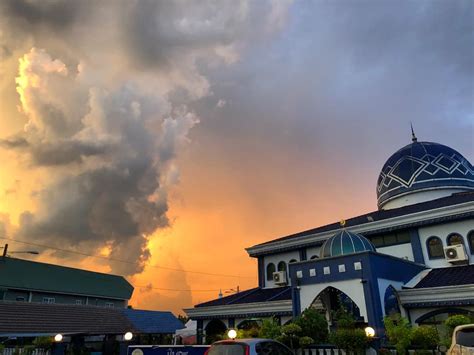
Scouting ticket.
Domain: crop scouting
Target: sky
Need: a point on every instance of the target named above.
(158, 139)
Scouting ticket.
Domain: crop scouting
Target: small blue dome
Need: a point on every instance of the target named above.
(423, 166)
(344, 243)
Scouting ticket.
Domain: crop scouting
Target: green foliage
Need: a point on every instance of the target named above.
(343, 319)
(351, 340)
(43, 342)
(28, 349)
(305, 341)
(270, 329)
(290, 335)
(248, 333)
(425, 337)
(455, 320)
(398, 330)
(313, 325)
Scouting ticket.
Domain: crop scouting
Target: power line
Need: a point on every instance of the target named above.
(125, 261)
(173, 289)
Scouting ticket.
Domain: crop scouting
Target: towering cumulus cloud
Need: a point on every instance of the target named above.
(104, 89)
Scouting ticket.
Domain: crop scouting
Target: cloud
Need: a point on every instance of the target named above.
(106, 91)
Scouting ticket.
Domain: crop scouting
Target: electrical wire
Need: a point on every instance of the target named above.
(126, 261)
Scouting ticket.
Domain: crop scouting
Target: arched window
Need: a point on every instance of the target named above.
(434, 245)
(313, 257)
(282, 266)
(292, 261)
(470, 240)
(454, 239)
(270, 271)
(391, 301)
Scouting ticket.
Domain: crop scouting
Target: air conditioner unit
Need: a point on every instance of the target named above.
(279, 278)
(455, 253)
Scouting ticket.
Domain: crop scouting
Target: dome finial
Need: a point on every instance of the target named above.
(413, 137)
(342, 223)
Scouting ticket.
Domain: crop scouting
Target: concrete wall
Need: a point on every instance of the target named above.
(403, 251)
(275, 259)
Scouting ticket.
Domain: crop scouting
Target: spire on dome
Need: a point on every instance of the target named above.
(413, 137)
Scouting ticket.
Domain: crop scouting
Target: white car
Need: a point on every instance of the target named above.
(463, 340)
(248, 347)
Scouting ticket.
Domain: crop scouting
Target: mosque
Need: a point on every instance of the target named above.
(414, 255)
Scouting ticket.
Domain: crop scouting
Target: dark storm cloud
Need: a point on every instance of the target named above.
(50, 13)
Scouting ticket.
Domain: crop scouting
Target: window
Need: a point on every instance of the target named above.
(455, 239)
(21, 299)
(470, 241)
(313, 257)
(48, 300)
(292, 261)
(270, 271)
(434, 245)
(109, 305)
(282, 266)
(78, 302)
(391, 239)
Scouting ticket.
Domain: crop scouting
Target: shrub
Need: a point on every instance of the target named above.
(290, 334)
(43, 342)
(313, 325)
(398, 331)
(425, 337)
(455, 320)
(350, 340)
(270, 329)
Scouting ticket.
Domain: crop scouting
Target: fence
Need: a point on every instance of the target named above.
(332, 350)
(23, 351)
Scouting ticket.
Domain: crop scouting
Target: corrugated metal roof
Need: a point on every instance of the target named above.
(153, 322)
(31, 275)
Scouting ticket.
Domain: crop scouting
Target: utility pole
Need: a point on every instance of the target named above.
(5, 249)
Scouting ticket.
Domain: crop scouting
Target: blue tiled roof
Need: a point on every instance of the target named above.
(153, 322)
(345, 242)
(380, 215)
(448, 276)
(251, 296)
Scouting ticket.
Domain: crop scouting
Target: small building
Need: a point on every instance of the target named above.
(35, 282)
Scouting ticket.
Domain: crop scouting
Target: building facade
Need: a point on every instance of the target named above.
(34, 282)
(414, 255)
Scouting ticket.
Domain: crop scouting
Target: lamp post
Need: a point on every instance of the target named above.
(5, 251)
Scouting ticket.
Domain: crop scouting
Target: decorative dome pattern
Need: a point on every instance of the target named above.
(423, 166)
(344, 243)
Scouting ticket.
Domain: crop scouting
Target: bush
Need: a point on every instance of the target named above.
(453, 321)
(290, 335)
(350, 340)
(270, 329)
(313, 325)
(43, 342)
(425, 337)
(398, 331)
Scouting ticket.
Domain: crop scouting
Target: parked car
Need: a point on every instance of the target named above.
(463, 340)
(248, 347)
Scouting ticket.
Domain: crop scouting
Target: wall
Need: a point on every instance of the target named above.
(275, 259)
(420, 196)
(442, 231)
(403, 251)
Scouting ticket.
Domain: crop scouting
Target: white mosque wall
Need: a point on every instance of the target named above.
(352, 288)
(416, 313)
(418, 197)
(442, 231)
(275, 259)
(403, 251)
(312, 251)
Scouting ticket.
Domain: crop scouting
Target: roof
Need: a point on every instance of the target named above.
(153, 322)
(344, 243)
(31, 318)
(379, 215)
(251, 296)
(448, 276)
(32, 275)
(422, 166)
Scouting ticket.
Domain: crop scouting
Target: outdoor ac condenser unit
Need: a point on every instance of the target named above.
(279, 277)
(455, 253)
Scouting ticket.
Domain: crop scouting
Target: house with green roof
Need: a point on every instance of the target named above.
(35, 282)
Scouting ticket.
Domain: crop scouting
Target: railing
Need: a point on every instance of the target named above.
(332, 350)
(23, 351)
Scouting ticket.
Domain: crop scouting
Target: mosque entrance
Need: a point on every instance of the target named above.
(330, 301)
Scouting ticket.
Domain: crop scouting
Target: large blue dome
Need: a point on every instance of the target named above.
(344, 243)
(423, 166)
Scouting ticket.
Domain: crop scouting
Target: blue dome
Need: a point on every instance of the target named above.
(422, 166)
(344, 243)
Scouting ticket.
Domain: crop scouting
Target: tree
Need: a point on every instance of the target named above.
(347, 336)
(270, 329)
(313, 325)
(425, 337)
(290, 335)
(398, 330)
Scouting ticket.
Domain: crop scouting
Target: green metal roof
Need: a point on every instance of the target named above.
(31, 275)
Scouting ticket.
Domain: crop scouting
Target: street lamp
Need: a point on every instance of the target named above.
(369, 332)
(232, 334)
(5, 250)
(128, 336)
(58, 338)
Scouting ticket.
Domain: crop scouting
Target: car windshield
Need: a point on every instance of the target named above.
(227, 349)
(465, 337)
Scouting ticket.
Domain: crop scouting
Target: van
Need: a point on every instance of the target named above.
(463, 340)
